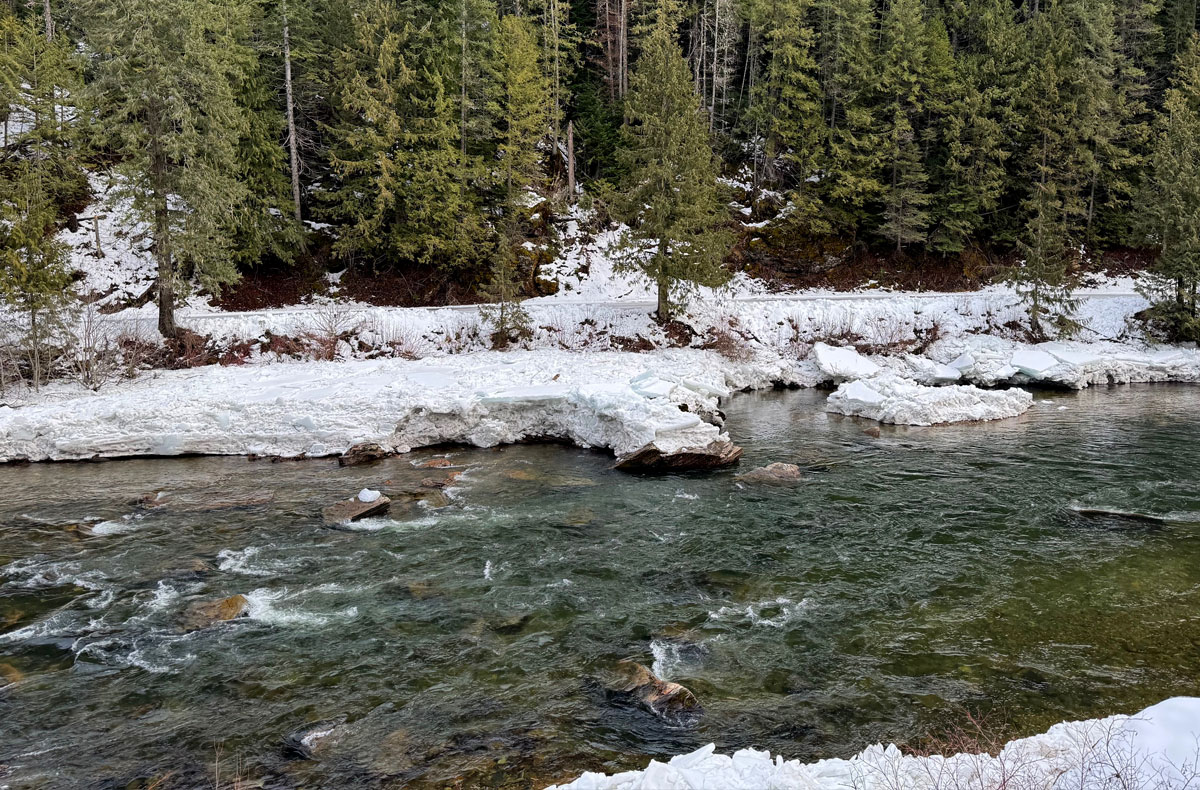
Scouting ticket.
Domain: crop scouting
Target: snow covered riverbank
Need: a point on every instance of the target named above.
(1157, 748)
(618, 401)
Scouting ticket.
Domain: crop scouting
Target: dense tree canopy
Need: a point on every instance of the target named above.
(916, 126)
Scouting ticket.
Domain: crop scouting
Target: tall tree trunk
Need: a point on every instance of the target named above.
(293, 153)
(663, 312)
(163, 255)
(48, 18)
(462, 99)
(571, 162)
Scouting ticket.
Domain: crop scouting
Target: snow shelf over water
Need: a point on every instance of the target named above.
(613, 400)
(1157, 748)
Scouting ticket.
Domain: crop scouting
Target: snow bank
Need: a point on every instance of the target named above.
(619, 401)
(1155, 748)
(891, 399)
(988, 360)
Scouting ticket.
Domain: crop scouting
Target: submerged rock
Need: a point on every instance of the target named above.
(363, 453)
(374, 504)
(665, 699)
(203, 614)
(716, 454)
(773, 474)
(308, 742)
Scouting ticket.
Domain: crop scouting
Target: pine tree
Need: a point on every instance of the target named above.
(1066, 100)
(787, 110)
(1172, 200)
(265, 223)
(905, 84)
(408, 180)
(670, 201)
(853, 151)
(39, 173)
(165, 91)
(526, 121)
(979, 123)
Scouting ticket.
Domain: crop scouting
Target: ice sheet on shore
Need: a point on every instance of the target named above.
(1154, 748)
(613, 400)
(891, 399)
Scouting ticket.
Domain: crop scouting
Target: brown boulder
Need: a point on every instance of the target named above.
(773, 474)
(202, 614)
(355, 509)
(435, 463)
(363, 453)
(716, 454)
(663, 698)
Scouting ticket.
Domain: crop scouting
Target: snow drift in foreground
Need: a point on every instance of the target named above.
(618, 401)
(888, 398)
(1156, 748)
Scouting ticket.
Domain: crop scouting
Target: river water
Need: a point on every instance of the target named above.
(911, 578)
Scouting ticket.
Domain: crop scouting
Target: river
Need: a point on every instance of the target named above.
(908, 580)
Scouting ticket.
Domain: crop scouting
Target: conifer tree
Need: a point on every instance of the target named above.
(905, 84)
(408, 186)
(39, 172)
(670, 200)
(525, 122)
(1172, 201)
(854, 148)
(787, 110)
(166, 92)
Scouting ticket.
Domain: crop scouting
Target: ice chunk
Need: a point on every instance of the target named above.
(891, 399)
(843, 363)
(1033, 362)
(367, 495)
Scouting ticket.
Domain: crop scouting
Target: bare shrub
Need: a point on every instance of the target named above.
(191, 350)
(728, 342)
(96, 359)
(137, 353)
(404, 340)
(332, 323)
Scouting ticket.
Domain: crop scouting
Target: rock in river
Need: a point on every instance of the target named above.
(773, 474)
(665, 699)
(363, 453)
(714, 455)
(367, 503)
(202, 614)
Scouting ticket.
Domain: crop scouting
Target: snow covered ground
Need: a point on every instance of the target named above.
(618, 401)
(1156, 749)
(416, 376)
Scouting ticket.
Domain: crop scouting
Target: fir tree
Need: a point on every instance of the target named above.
(166, 92)
(408, 181)
(526, 120)
(854, 148)
(787, 112)
(670, 201)
(1172, 201)
(906, 84)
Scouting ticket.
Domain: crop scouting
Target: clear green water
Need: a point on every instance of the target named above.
(914, 576)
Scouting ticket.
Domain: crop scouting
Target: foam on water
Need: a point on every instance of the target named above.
(786, 610)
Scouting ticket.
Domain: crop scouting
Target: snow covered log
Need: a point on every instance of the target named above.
(891, 399)
(1157, 747)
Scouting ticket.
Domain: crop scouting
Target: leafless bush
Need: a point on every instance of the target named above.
(95, 360)
(137, 352)
(332, 323)
(888, 335)
(401, 340)
(729, 343)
